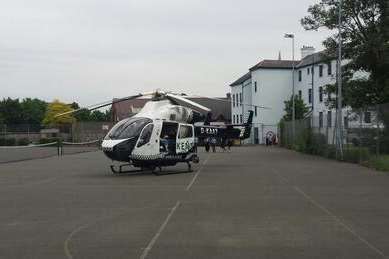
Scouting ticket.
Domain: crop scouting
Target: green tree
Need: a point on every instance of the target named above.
(300, 109)
(365, 34)
(33, 110)
(56, 108)
(11, 111)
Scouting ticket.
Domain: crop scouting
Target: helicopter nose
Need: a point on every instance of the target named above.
(118, 149)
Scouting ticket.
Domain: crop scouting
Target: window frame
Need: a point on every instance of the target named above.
(320, 70)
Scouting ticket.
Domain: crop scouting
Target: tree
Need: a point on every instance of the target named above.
(300, 109)
(365, 34)
(11, 111)
(33, 110)
(55, 108)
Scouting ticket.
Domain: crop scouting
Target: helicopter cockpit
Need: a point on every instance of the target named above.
(128, 128)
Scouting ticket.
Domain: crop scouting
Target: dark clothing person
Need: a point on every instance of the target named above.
(213, 144)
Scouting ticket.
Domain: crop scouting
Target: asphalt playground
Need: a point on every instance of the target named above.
(254, 202)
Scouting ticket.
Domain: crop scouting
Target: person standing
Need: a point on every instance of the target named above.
(206, 144)
(213, 144)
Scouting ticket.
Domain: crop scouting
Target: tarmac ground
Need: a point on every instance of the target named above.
(253, 202)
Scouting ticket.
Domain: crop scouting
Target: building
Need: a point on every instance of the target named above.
(269, 83)
(220, 107)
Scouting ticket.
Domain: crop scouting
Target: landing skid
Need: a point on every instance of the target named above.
(155, 168)
(119, 169)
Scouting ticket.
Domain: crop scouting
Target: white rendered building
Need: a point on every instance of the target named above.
(269, 83)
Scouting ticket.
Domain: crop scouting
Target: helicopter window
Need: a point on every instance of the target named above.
(128, 128)
(169, 130)
(146, 135)
(185, 132)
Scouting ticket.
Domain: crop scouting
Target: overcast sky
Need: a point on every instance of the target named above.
(92, 50)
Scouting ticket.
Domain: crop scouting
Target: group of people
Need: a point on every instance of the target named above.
(271, 139)
(211, 142)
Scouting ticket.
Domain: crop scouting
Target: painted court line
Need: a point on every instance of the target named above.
(340, 222)
(333, 216)
(197, 174)
(161, 228)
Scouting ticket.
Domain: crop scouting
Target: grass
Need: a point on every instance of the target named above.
(380, 163)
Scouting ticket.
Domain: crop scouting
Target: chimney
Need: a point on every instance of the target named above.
(306, 51)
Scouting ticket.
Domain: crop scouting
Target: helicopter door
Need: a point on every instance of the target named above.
(147, 144)
(185, 138)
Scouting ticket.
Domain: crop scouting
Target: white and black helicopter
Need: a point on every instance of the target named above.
(163, 133)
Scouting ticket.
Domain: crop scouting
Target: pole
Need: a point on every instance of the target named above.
(339, 128)
(293, 102)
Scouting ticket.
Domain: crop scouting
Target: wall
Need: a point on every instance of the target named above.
(274, 87)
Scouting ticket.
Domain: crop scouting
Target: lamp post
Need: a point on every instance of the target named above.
(291, 36)
(339, 79)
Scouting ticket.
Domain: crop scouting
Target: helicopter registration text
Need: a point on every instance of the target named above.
(210, 131)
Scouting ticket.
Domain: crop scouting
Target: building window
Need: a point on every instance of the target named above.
(300, 94)
(329, 119)
(310, 95)
(233, 100)
(236, 99)
(240, 99)
(367, 117)
(345, 122)
(255, 86)
(320, 70)
(255, 111)
(308, 70)
(320, 119)
(241, 119)
(300, 76)
(321, 94)
(329, 70)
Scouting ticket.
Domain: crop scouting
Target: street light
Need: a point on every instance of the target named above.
(291, 36)
(339, 129)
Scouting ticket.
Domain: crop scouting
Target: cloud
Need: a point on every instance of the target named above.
(90, 51)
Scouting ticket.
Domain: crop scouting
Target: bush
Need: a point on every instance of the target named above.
(23, 142)
(356, 154)
(10, 142)
(380, 163)
(330, 152)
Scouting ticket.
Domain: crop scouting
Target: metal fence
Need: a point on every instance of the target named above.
(24, 134)
(365, 134)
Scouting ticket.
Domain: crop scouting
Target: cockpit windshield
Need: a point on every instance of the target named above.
(128, 128)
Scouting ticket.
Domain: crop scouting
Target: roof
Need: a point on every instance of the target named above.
(242, 79)
(275, 64)
(314, 58)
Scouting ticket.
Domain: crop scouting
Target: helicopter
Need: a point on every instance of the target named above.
(163, 133)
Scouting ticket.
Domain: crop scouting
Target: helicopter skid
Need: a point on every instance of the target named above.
(119, 169)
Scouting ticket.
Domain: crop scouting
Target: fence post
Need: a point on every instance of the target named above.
(378, 131)
(360, 134)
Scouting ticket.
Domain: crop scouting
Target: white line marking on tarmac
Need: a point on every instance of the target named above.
(161, 228)
(70, 236)
(197, 174)
(333, 216)
(340, 222)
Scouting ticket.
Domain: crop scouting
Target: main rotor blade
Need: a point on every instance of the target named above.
(188, 103)
(101, 105)
(245, 104)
